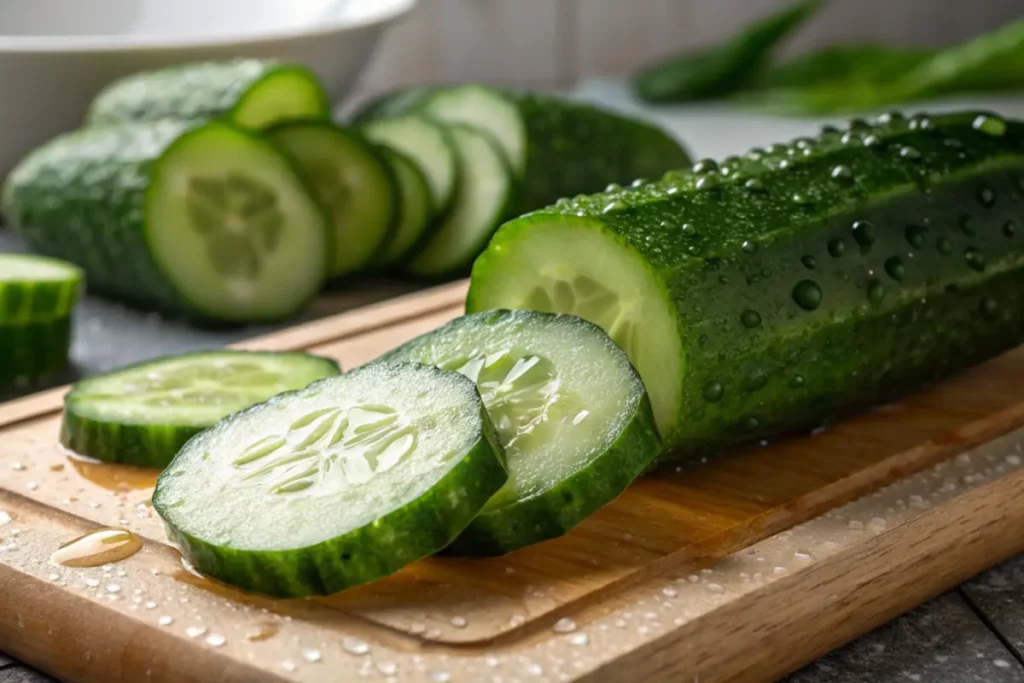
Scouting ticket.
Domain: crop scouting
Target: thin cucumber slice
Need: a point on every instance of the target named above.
(483, 199)
(251, 93)
(335, 485)
(143, 414)
(353, 183)
(415, 207)
(570, 410)
(429, 146)
(33, 352)
(36, 289)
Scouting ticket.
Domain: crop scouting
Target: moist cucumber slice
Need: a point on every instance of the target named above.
(35, 289)
(771, 293)
(143, 414)
(429, 146)
(33, 352)
(570, 411)
(353, 183)
(201, 219)
(335, 485)
(415, 207)
(250, 93)
(483, 199)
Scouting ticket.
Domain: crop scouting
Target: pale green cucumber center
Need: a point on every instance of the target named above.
(425, 143)
(29, 269)
(193, 390)
(570, 266)
(285, 95)
(479, 203)
(234, 230)
(489, 111)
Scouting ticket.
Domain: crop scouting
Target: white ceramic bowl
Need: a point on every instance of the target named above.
(56, 54)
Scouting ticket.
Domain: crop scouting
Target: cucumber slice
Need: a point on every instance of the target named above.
(414, 207)
(204, 220)
(335, 485)
(483, 199)
(143, 414)
(35, 289)
(352, 182)
(33, 352)
(251, 93)
(570, 410)
(429, 146)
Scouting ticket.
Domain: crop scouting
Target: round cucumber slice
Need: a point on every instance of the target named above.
(36, 289)
(570, 410)
(414, 207)
(483, 199)
(606, 282)
(352, 182)
(335, 485)
(429, 146)
(32, 352)
(143, 414)
(286, 92)
(233, 228)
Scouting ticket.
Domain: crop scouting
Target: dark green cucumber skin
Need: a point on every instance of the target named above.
(556, 510)
(32, 353)
(37, 302)
(420, 532)
(138, 444)
(82, 198)
(203, 90)
(572, 147)
(796, 368)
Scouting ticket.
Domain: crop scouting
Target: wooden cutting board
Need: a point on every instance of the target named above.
(736, 568)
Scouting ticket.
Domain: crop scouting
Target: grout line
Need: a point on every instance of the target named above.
(1010, 647)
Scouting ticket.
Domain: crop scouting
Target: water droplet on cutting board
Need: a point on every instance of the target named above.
(289, 665)
(215, 640)
(564, 625)
(355, 646)
(96, 548)
(165, 620)
(579, 639)
(195, 631)
(5, 518)
(459, 622)
(440, 676)
(312, 655)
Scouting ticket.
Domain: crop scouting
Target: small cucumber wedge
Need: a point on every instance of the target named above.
(429, 146)
(334, 485)
(199, 219)
(772, 292)
(415, 208)
(352, 182)
(37, 295)
(571, 413)
(143, 414)
(250, 93)
(556, 148)
(483, 199)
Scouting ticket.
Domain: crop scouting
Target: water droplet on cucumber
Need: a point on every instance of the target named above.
(894, 267)
(910, 153)
(836, 247)
(807, 295)
(986, 196)
(751, 422)
(754, 185)
(750, 318)
(989, 125)
(801, 199)
(713, 391)
(749, 247)
(872, 142)
(864, 233)
(796, 381)
(944, 246)
(809, 261)
(916, 235)
(876, 292)
(756, 380)
(975, 259)
(842, 173)
(920, 122)
(705, 166)
(1010, 228)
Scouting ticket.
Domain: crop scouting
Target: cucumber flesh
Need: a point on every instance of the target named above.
(143, 414)
(484, 197)
(414, 207)
(335, 485)
(569, 409)
(288, 93)
(234, 229)
(429, 146)
(36, 289)
(353, 184)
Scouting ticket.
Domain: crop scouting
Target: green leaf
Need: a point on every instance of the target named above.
(721, 70)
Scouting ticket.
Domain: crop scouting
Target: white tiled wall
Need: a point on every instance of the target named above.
(543, 43)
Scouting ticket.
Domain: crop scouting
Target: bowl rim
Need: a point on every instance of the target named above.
(17, 44)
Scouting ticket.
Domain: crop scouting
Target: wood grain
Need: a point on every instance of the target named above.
(776, 544)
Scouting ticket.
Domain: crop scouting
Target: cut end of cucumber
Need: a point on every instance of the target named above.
(289, 93)
(414, 207)
(31, 268)
(572, 265)
(489, 110)
(233, 228)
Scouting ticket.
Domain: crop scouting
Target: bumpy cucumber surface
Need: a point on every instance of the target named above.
(250, 93)
(485, 193)
(773, 291)
(143, 414)
(570, 411)
(557, 148)
(335, 485)
(415, 208)
(199, 219)
(353, 183)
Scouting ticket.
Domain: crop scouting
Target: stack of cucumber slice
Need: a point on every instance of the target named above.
(37, 296)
